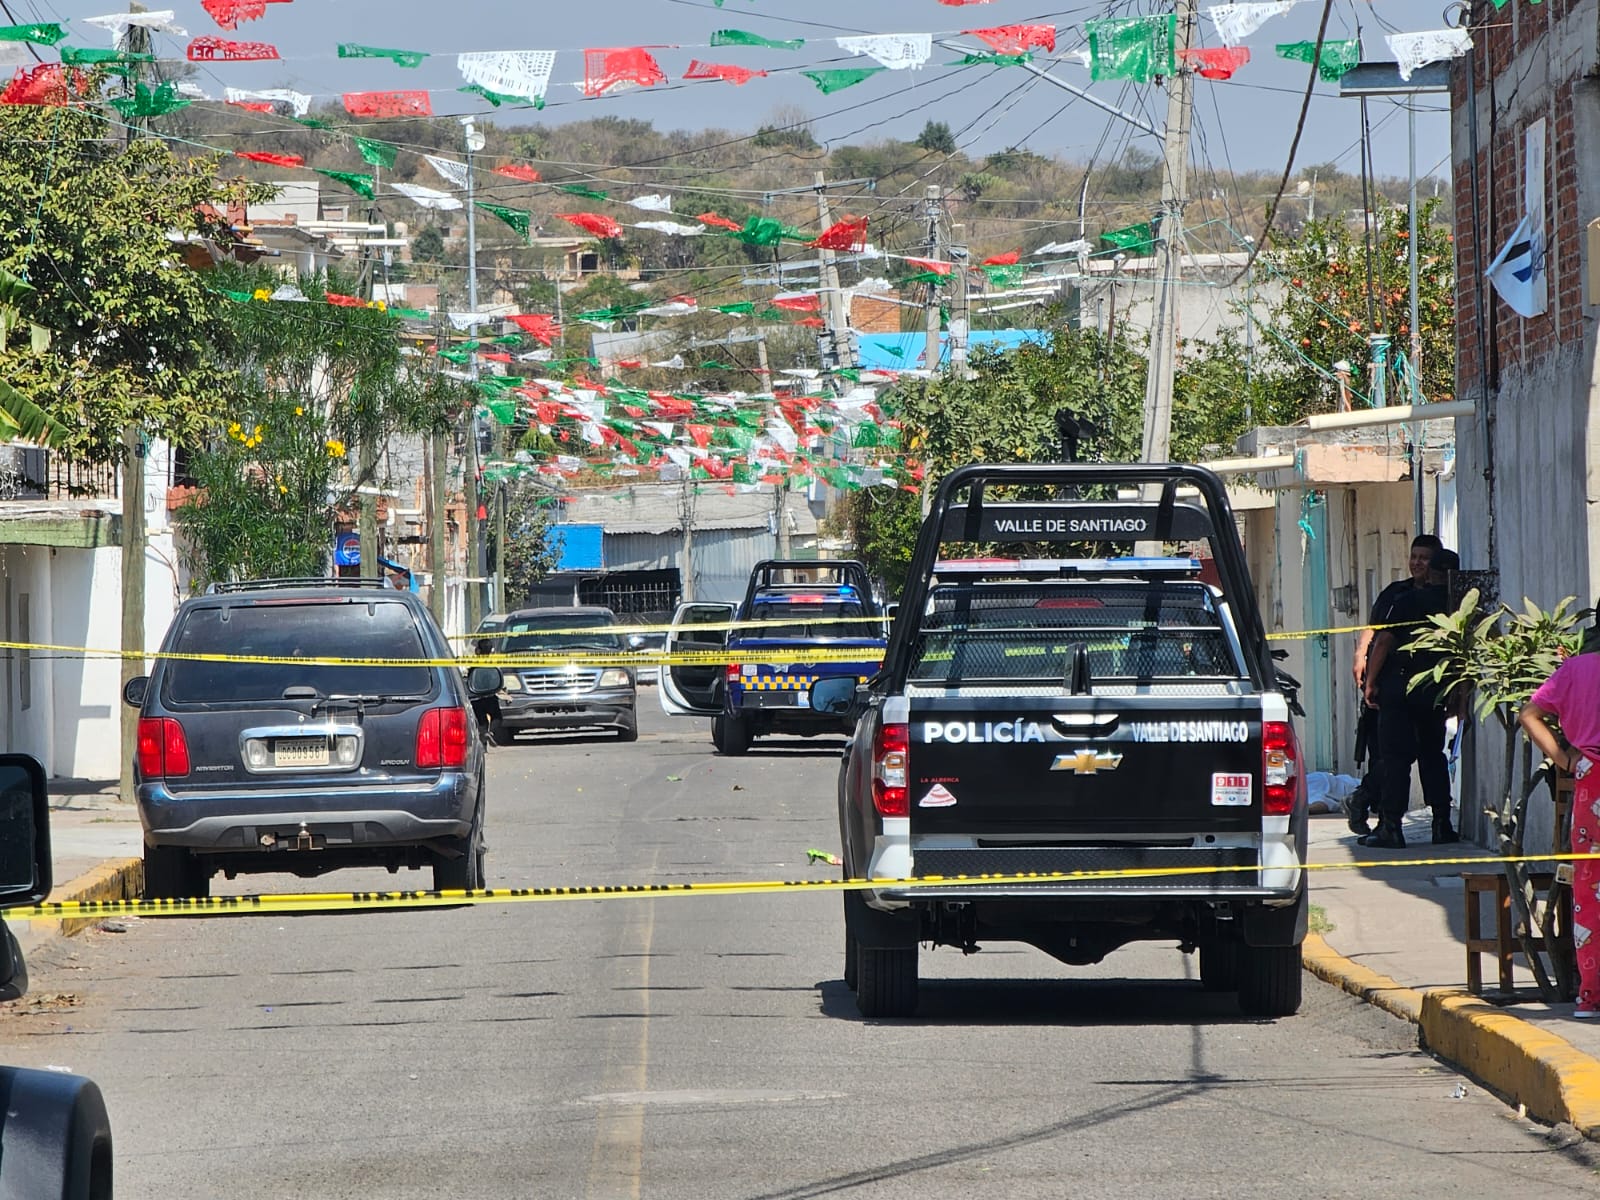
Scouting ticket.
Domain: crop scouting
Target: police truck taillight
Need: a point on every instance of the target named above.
(890, 750)
(163, 749)
(442, 738)
(1280, 768)
(731, 675)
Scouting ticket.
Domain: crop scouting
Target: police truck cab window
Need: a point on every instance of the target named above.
(806, 617)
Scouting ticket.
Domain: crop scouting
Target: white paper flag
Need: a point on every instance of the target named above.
(463, 321)
(451, 171)
(509, 72)
(652, 203)
(673, 308)
(1517, 272)
(1077, 246)
(298, 101)
(675, 363)
(288, 291)
(897, 51)
(427, 197)
(1413, 50)
(671, 227)
(119, 23)
(192, 91)
(1235, 22)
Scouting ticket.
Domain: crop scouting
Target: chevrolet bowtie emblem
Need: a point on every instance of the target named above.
(1087, 761)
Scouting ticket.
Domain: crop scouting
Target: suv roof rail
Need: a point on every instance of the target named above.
(265, 585)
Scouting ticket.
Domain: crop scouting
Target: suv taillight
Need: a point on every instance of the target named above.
(891, 747)
(163, 749)
(1280, 768)
(731, 674)
(442, 738)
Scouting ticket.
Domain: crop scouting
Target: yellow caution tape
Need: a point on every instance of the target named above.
(450, 898)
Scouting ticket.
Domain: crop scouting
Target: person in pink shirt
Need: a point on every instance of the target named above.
(1572, 696)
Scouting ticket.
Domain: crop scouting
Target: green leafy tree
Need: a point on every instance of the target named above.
(100, 233)
(20, 418)
(428, 245)
(532, 548)
(937, 138)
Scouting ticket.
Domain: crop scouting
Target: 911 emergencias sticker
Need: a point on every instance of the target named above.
(1231, 791)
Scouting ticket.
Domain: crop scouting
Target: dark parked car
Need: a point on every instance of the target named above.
(574, 695)
(308, 767)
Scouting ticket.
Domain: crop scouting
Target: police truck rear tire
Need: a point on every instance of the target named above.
(886, 980)
(1269, 980)
(732, 735)
(1219, 966)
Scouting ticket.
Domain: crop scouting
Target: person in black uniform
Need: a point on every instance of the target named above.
(1364, 799)
(1410, 722)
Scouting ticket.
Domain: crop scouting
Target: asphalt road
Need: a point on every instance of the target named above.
(706, 1048)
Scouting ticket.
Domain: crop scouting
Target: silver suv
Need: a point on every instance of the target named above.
(574, 695)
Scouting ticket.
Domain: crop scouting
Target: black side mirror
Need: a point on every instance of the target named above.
(636, 641)
(834, 697)
(484, 681)
(1280, 655)
(135, 690)
(24, 831)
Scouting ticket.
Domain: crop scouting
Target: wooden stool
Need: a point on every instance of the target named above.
(1502, 945)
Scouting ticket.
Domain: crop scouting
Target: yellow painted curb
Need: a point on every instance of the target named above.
(114, 879)
(1524, 1063)
(1329, 965)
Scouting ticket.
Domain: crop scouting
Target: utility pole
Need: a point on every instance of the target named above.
(469, 482)
(1169, 251)
(438, 506)
(686, 508)
(133, 523)
(843, 355)
(932, 205)
(961, 316)
(1416, 327)
(366, 437)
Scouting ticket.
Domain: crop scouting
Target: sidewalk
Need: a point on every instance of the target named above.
(93, 838)
(1397, 936)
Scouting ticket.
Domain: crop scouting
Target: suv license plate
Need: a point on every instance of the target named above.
(300, 752)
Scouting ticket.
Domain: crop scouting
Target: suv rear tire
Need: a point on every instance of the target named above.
(886, 980)
(450, 874)
(1270, 980)
(172, 873)
(851, 962)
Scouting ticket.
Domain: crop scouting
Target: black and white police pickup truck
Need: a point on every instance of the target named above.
(1113, 723)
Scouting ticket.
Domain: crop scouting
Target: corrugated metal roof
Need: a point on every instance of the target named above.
(722, 558)
(658, 508)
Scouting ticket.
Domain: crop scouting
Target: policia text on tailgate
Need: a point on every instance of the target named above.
(1115, 709)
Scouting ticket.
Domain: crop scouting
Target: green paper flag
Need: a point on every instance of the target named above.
(459, 357)
(577, 189)
(932, 277)
(409, 314)
(992, 58)
(1137, 48)
(401, 58)
(744, 473)
(850, 373)
(150, 102)
(517, 218)
(1131, 237)
(1336, 57)
(766, 231)
(510, 339)
(738, 37)
(775, 315)
(505, 411)
(43, 34)
(712, 364)
(743, 308)
(358, 183)
(1007, 275)
(379, 154)
(868, 436)
(829, 82)
(114, 62)
(239, 297)
(499, 98)
(312, 122)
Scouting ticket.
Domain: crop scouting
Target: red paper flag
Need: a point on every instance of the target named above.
(344, 301)
(599, 225)
(734, 75)
(700, 433)
(518, 171)
(720, 222)
(228, 13)
(1216, 62)
(260, 106)
(272, 160)
(1008, 259)
(604, 70)
(495, 356)
(848, 234)
(807, 303)
(48, 84)
(931, 264)
(630, 364)
(541, 326)
(388, 104)
(812, 323)
(215, 49)
(1015, 39)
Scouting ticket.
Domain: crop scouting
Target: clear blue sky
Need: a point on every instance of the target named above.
(1247, 122)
